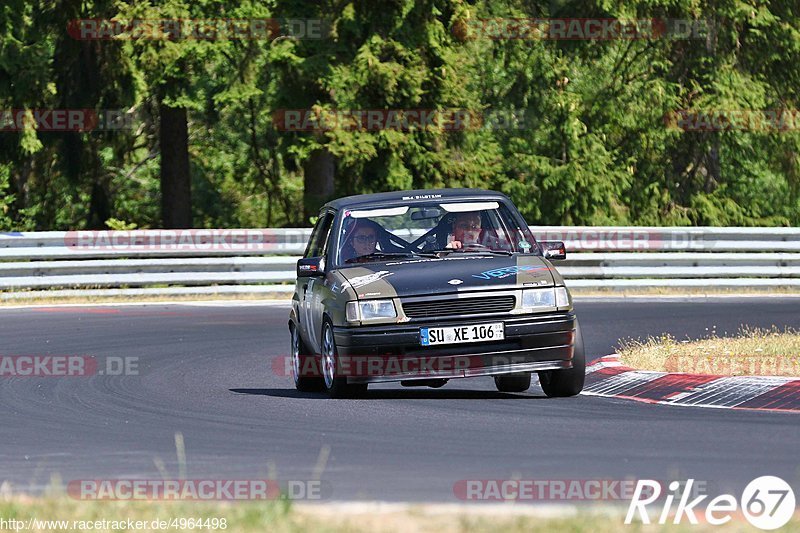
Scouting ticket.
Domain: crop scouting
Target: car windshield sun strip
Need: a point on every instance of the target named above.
(387, 255)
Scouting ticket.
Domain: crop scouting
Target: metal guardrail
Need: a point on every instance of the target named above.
(260, 260)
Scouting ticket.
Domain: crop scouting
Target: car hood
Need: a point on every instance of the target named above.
(455, 273)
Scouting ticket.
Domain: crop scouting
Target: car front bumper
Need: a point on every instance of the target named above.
(372, 354)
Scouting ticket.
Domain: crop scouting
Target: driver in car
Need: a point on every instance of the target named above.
(466, 230)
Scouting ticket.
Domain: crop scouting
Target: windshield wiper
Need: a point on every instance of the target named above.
(388, 255)
(473, 251)
(498, 252)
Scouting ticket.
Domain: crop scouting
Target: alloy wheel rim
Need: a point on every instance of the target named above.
(295, 355)
(328, 360)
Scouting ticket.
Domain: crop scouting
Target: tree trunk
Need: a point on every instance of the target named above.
(176, 185)
(99, 207)
(713, 166)
(318, 188)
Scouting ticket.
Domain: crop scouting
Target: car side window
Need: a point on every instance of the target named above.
(319, 237)
(520, 232)
(328, 235)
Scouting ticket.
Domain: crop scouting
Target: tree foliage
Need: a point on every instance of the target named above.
(592, 142)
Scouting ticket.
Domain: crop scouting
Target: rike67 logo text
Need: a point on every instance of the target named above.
(767, 502)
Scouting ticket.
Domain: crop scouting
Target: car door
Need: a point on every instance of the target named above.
(321, 290)
(311, 288)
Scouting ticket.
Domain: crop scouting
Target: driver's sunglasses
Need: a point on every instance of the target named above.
(468, 227)
(365, 239)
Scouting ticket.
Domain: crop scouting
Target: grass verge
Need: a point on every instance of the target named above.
(749, 352)
(280, 516)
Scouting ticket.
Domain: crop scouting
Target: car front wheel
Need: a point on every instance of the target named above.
(336, 383)
(303, 364)
(569, 382)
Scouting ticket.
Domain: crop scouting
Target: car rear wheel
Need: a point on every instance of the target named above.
(569, 382)
(513, 382)
(302, 364)
(335, 383)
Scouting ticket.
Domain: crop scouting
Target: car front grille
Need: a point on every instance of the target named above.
(459, 306)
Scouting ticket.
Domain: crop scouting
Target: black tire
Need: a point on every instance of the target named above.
(304, 363)
(569, 382)
(334, 383)
(513, 382)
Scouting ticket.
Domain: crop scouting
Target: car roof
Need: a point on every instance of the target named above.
(417, 195)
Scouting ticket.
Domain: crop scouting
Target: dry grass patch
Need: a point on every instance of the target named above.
(750, 352)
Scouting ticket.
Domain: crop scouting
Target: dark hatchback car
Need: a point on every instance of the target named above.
(425, 286)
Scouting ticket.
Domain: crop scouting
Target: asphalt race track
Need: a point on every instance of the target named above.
(207, 371)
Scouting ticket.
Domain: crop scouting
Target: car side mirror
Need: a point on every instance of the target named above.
(310, 267)
(553, 250)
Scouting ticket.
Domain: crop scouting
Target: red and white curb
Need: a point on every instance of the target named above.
(608, 377)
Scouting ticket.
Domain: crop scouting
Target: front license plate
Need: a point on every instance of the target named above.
(459, 334)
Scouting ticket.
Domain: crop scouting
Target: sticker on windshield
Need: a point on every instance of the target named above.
(525, 245)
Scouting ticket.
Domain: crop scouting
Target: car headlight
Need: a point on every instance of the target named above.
(550, 297)
(370, 310)
(533, 298)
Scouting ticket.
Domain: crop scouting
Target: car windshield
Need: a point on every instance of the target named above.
(415, 229)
